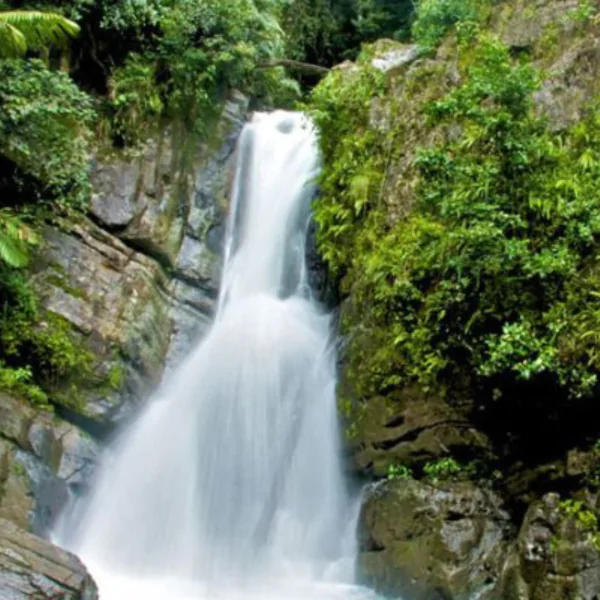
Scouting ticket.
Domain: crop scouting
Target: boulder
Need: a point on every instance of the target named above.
(391, 57)
(32, 568)
(523, 24)
(554, 558)
(429, 542)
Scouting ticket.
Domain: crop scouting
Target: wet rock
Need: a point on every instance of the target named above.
(78, 459)
(554, 558)
(412, 428)
(43, 461)
(118, 304)
(144, 271)
(322, 284)
(33, 568)
(195, 287)
(430, 542)
(572, 84)
(114, 193)
(391, 56)
(196, 262)
(144, 198)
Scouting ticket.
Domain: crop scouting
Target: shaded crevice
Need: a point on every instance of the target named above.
(413, 435)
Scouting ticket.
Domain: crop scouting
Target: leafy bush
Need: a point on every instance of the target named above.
(340, 108)
(45, 131)
(442, 469)
(19, 381)
(161, 58)
(15, 239)
(585, 519)
(26, 30)
(492, 279)
(399, 472)
(137, 102)
(434, 18)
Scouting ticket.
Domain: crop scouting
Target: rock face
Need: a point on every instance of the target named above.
(31, 568)
(138, 281)
(432, 543)
(411, 428)
(554, 558)
(42, 461)
(116, 300)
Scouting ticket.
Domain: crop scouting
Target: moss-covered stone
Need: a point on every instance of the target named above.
(412, 427)
(432, 542)
(554, 558)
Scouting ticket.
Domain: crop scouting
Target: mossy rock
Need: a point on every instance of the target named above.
(429, 542)
(554, 558)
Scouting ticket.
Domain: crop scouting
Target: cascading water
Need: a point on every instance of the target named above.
(229, 485)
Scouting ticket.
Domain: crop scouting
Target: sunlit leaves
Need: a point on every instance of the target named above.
(22, 30)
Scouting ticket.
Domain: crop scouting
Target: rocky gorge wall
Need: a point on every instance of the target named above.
(495, 504)
(136, 282)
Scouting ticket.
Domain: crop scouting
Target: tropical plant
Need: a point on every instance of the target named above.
(15, 238)
(494, 272)
(23, 30)
(45, 134)
(399, 472)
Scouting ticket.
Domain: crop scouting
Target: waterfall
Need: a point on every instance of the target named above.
(229, 484)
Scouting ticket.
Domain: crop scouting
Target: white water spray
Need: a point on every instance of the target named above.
(230, 485)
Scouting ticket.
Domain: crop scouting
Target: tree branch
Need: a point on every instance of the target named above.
(295, 65)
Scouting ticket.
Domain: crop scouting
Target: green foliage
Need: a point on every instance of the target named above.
(592, 477)
(494, 272)
(39, 357)
(583, 12)
(137, 102)
(23, 30)
(123, 15)
(352, 416)
(196, 54)
(115, 378)
(18, 469)
(211, 47)
(396, 472)
(15, 239)
(19, 381)
(175, 59)
(434, 18)
(585, 519)
(44, 131)
(325, 32)
(340, 108)
(443, 469)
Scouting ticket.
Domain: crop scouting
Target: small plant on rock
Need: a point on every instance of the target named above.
(395, 472)
(443, 469)
(585, 519)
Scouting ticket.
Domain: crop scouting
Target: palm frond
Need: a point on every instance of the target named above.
(21, 30)
(12, 41)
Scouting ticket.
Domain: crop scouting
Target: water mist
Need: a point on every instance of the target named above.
(229, 484)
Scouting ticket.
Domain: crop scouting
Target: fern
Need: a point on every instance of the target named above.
(23, 30)
(15, 237)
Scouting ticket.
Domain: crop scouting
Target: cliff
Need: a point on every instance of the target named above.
(133, 283)
(457, 212)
